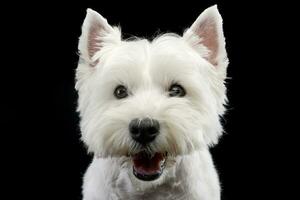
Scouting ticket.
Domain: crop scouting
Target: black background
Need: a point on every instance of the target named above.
(46, 160)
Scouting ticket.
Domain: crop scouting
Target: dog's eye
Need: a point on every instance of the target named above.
(121, 92)
(176, 90)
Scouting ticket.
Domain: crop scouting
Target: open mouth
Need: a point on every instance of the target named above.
(148, 167)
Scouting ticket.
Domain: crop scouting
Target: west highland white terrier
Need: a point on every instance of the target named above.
(150, 110)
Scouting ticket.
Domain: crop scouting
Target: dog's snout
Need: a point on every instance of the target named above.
(144, 130)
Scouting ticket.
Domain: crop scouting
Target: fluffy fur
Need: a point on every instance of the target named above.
(189, 125)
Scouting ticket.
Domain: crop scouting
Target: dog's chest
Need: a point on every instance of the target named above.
(163, 192)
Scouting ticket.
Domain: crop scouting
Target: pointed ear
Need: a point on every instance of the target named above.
(207, 32)
(96, 33)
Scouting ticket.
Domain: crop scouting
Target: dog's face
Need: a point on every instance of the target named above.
(151, 101)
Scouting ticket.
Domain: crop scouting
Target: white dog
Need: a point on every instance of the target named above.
(150, 110)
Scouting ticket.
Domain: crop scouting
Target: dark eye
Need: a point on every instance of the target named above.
(121, 92)
(176, 90)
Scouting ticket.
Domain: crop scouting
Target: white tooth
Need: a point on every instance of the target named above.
(162, 162)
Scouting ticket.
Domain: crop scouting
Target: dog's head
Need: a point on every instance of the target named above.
(151, 101)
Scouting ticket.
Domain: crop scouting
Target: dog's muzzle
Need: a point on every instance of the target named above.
(146, 166)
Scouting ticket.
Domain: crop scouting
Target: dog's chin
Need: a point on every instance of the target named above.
(148, 167)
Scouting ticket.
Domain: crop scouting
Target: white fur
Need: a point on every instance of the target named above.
(189, 125)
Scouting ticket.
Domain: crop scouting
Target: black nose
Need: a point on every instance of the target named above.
(144, 130)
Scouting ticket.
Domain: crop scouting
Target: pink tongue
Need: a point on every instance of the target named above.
(143, 164)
